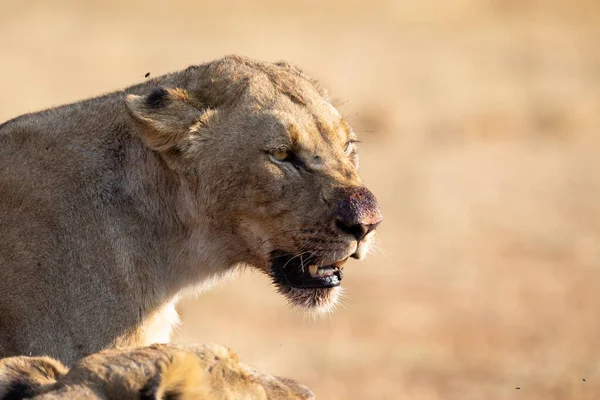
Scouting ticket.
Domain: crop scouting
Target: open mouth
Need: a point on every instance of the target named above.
(305, 273)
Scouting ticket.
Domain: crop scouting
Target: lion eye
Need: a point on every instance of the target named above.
(350, 145)
(281, 155)
(286, 156)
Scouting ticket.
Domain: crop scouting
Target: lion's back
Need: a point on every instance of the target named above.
(158, 371)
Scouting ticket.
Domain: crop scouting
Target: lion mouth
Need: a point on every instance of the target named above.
(305, 273)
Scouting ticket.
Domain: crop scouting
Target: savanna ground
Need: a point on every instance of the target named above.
(480, 123)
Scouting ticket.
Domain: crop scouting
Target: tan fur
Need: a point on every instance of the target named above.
(113, 207)
(157, 327)
(29, 375)
(155, 372)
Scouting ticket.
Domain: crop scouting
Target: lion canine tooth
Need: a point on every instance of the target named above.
(313, 269)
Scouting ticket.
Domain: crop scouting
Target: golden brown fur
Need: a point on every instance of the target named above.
(114, 207)
(27, 376)
(155, 372)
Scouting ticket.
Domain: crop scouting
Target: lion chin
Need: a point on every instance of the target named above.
(314, 301)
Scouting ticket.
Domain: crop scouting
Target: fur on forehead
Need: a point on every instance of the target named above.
(225, 81)
(169, 115)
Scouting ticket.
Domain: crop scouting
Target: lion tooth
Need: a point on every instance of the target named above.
(313, 269)
(325, 271)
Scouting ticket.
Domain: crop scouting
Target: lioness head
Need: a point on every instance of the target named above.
(273, 169)
(160, 371)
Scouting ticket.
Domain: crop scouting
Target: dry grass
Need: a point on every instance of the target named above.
(481, 127)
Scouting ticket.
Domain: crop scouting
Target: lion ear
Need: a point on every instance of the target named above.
(167, 114)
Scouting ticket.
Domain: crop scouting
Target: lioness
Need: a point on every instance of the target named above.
(114, 207)
(156, 372)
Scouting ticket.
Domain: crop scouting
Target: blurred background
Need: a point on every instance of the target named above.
(480, 123)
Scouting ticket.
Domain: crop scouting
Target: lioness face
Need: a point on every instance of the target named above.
(309, 209)
(288, 194)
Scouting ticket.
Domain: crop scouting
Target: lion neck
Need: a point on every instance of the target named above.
(194, 249)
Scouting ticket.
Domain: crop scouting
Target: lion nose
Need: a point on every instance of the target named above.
(357, 212)
(358, 230)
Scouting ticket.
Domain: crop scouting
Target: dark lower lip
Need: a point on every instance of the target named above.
(289, 271)
(305, 281)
